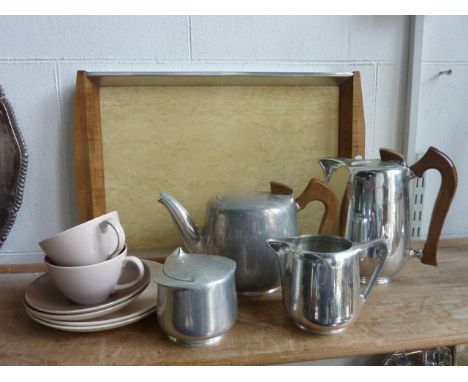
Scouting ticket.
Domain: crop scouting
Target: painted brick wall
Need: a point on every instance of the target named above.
(39, 57)
(443, 111)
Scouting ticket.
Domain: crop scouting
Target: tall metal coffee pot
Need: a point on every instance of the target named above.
(376, 204)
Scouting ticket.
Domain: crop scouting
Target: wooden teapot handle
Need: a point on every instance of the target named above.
(389, 154)
(315, 190)
(435, 159)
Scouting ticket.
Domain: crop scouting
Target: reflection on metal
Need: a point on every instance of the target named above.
(13, 165)
(440, 356)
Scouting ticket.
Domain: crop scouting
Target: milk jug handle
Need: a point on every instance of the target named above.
(382, 242)
(435, 159)
(315, 190)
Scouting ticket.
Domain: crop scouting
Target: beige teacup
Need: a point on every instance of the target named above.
(88, 243)
(92, 284)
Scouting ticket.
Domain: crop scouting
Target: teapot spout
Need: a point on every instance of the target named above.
(188, 230)
(329, 165)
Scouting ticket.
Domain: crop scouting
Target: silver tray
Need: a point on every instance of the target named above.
(13, 165)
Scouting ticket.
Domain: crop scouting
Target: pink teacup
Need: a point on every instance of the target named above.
(92, 284)
(88, 243)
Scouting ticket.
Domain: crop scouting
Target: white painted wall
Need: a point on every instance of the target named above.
(443, 111)
(39, 57)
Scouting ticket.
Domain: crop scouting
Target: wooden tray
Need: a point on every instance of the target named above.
(198, 135)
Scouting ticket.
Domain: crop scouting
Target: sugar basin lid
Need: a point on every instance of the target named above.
(197, 268)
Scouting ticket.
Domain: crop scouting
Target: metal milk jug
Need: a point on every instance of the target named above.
(320, 279)
(376, 204)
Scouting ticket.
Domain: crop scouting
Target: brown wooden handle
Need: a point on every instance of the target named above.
(435, 159)
(280, 188)
(389, 154)
(321, 191)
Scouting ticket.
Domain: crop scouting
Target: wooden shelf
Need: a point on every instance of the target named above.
(426, 306)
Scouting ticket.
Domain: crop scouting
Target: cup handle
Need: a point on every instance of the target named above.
(382, 242)
(119, 232)
(141, 271)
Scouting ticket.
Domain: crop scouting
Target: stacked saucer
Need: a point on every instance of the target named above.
(45, 304)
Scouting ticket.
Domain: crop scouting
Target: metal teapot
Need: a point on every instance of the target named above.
(320, 279)
(238, 225)
(376, 204)
(197, 300)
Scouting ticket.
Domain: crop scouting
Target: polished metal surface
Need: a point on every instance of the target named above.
(197, 300)
(236, 227)
(378, 206)
(219, 78)
(439, 356)
(320, 279)
(13, 165)
(196, 343)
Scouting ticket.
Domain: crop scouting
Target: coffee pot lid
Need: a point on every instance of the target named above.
(197, 268)
(367, 164)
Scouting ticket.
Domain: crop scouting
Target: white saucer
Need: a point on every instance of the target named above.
(140, 307)
(42, 295)
(96, 328)
(80, 316)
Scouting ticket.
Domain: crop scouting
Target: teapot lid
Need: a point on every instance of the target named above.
(196, 269)
(251, 201)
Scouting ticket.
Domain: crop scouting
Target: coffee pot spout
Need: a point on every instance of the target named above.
(188, 230)
(329, 165)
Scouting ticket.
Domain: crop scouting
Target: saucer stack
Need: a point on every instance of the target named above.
(91, 284)
(45, 304)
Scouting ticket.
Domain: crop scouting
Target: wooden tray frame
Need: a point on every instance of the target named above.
(87, 136)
